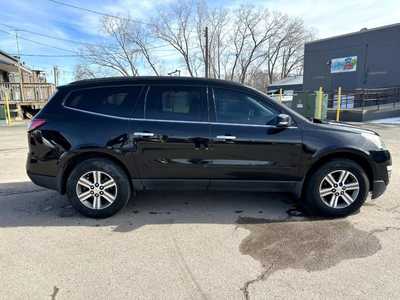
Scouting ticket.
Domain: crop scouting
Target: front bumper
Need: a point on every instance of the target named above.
(378, 188)
(383, 170)
(49, 182)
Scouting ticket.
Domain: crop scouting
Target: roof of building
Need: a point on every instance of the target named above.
(9, 63)
(8, 56)
(292, 80)
(361, 31)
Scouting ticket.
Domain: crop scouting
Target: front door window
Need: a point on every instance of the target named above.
(241, 108)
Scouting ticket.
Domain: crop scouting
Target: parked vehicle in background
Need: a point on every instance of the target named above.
(100, 140)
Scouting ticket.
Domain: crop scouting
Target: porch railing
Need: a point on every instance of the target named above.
(32, 92)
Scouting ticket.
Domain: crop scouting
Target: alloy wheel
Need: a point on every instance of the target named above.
(96, 190)
(339, 189)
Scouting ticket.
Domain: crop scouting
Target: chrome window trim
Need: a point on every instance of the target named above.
(145, 101)
(64, 100)
(172, 121)
(210, 123)
(96, 113)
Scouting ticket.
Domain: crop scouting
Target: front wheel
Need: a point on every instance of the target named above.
(98, 188)
(337, 189)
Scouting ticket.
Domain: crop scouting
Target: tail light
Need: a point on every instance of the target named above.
(35, 124)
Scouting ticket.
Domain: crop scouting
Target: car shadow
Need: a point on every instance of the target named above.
(25, 204)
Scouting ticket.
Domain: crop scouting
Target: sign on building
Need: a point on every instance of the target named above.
(344, 64)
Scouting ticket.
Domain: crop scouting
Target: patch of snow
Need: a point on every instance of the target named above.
(395, 120)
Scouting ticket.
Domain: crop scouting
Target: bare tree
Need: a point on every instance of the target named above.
(252, 37)
(83, 71)
(248, 44)
(127, 45)
(121, 54)
(284, 52)
(216, 19)
(141, 37)
(261, 26)
(174, 25)
(293, 48)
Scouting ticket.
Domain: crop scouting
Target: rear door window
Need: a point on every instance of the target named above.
(181, 103)
(116, 101)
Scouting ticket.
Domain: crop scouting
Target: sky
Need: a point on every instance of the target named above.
(327, 18)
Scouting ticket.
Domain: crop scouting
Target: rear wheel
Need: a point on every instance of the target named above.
(98, 188)
(337, 189)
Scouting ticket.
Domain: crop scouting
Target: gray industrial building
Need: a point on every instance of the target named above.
(368, 59)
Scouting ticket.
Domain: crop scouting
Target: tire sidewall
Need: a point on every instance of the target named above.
(313, 188)
(104, 165)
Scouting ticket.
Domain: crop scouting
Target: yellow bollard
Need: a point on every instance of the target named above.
(339, 98)
(280, 95)
(5, 113)
(7, 109)
(318, 107)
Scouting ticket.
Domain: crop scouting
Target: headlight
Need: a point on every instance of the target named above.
(375, 139)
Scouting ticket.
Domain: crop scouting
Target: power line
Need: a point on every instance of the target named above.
(55, 38)
(70, 40)
(55, 55)
(40, 43)
(76, 54)
(47, 36)
(101, 13)
(98, 12)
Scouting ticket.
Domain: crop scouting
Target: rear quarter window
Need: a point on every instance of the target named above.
(115, 101)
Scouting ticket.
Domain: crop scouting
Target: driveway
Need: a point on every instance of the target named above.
(196, 245)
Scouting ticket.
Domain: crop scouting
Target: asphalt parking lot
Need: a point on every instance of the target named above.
(199, 245)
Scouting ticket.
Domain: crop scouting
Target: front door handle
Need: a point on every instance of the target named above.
(143, 134)
(226, 137)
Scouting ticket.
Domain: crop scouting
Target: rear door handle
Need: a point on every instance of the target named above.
(143, 134)
(226, 137)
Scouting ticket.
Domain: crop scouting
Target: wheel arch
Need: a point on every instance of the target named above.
(72, 162)
(355, 156)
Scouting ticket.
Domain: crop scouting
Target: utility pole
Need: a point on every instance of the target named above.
(21, 78)
(55, 75)
(206, 62)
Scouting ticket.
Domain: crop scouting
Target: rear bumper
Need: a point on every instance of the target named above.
(49, 182)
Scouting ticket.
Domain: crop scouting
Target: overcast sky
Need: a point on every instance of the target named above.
(329, 18)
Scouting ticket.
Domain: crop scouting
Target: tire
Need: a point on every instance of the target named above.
(112, 183)
(322, 198)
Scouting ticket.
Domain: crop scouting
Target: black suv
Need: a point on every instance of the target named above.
(100, 140)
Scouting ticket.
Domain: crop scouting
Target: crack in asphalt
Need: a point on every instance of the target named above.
(55, 292)
(264, 275)
(387, 228)
(187, 269)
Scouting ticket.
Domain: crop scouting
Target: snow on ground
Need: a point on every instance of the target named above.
(395, 120)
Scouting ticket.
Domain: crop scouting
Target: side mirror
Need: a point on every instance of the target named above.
(284, 120)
